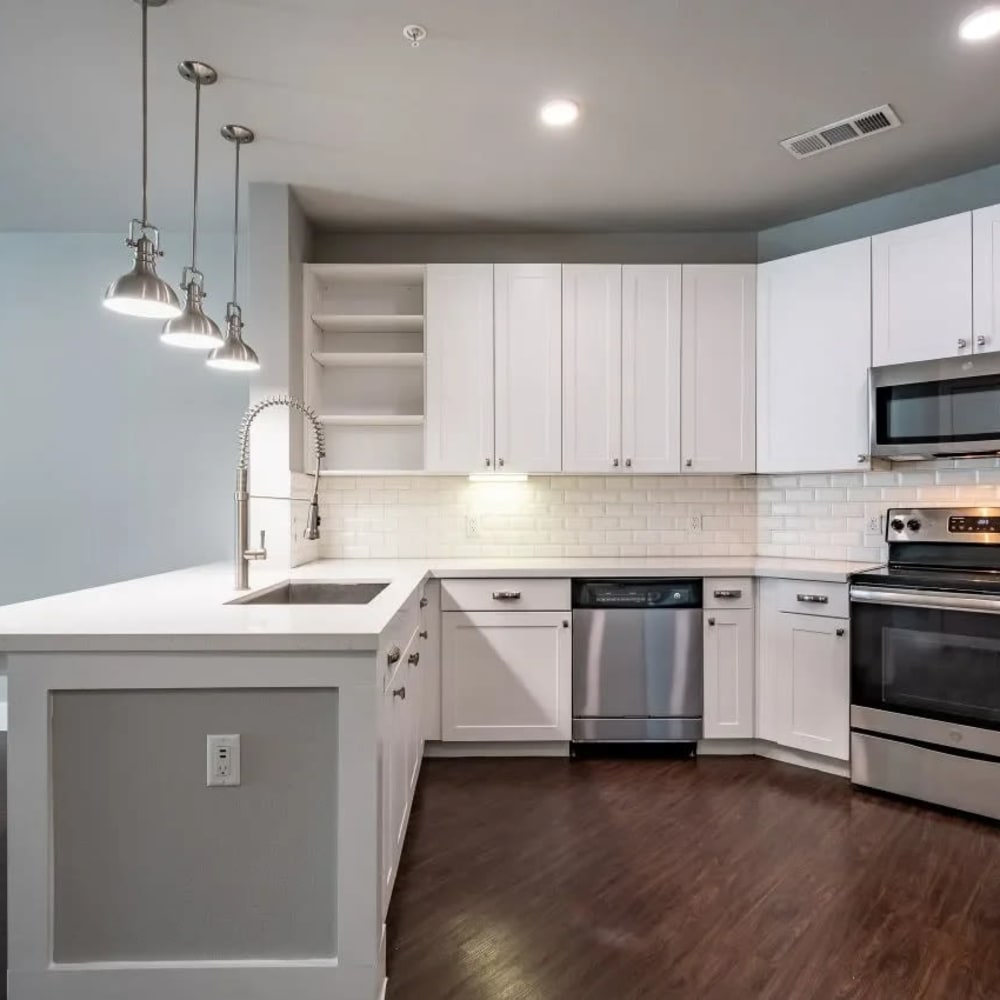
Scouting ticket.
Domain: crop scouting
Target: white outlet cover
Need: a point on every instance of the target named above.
(472, 527)
(223, 760)
(874, 526)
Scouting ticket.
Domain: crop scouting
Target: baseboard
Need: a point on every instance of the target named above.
(727, 748)
(436, 749)
(801, 758)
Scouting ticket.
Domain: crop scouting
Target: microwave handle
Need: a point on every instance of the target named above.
(933, 600)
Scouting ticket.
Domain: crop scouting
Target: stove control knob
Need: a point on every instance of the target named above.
(897, 524)
(913, 524)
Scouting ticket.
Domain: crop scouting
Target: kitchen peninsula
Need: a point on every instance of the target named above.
(131, 876)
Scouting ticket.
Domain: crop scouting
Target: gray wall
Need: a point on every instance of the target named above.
(561, 248)
(905, 208)
(116, 453)
(150, 864)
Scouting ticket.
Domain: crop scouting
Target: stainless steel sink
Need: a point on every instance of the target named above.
(314, 592)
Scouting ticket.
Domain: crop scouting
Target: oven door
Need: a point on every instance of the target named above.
(928, 654)
(930, 408)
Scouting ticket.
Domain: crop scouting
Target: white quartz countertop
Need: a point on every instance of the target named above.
(188, 610)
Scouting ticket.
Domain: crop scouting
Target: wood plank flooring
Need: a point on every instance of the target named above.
(716, 879)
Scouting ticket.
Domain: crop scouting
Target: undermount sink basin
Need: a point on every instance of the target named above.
(307, 592)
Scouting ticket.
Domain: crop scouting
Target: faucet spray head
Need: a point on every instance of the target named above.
(312, 522)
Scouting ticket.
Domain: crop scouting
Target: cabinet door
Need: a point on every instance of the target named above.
(718, 407)
(729, 674)
(813, 701)
(651, 368)
(986, 279)
(813, 356)
(528, 310)
(430, 661)
(392, 767)
(592, 367)
(459, 346)
(922, 291)
(506, 676)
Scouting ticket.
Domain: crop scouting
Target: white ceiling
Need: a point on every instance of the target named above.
(684, 104)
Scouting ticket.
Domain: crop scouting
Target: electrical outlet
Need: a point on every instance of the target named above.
(472, 526)
(874, 526)
(223, 760)
(695, 523)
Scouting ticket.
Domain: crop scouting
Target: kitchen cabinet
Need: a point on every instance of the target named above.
(592, 367)
(922, 291)
(803, 673)
(729, 673)
(813, 356)
(986, 279)
(651, 369)
(506, 676)
(718, 394)
(528, 354)
(459, 337)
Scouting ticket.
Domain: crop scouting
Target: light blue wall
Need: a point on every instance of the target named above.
(905, 208)
(116, 453)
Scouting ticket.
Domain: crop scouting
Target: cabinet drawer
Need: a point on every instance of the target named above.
(808, 597)
(505, 595)
(728, 592)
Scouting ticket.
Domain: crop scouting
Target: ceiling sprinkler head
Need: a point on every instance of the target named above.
(415, 34)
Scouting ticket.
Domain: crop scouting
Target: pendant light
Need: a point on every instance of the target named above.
(193, 329)
(233, 355)
(141, 292)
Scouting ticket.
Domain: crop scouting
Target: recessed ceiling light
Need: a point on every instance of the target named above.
(980, 26)
(559, 113)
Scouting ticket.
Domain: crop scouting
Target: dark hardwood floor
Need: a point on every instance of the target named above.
(716, 879)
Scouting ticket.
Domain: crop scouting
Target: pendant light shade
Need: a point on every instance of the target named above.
(233, 354)
(193, 329)
(141, 292)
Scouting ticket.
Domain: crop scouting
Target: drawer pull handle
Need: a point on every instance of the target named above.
(711, 621)
(812, 598)
(399, 693)
(728, 595)
(422, 633)
(424, 601)
(506, 595)
(565, 623)
(394, 654)
(414, 659)
(840, 632)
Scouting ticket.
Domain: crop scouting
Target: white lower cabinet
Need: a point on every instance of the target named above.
(729, 674)
(803, 677)
(506, 676)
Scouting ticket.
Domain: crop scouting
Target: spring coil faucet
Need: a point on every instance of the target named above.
(244, 554)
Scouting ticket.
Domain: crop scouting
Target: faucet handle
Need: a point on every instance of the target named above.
(262, 534)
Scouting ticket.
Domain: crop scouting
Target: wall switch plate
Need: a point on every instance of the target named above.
(472, 526)
(223, 760)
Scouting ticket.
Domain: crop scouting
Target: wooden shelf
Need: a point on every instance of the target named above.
(373, 419)
(368, 359)
(343, 323)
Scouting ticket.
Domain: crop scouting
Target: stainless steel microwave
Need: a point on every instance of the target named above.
(948, 408)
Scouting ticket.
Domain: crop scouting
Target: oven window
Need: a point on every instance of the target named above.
(938, 664)
(966, 409)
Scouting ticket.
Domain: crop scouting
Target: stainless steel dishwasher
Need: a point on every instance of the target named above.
(637, 661)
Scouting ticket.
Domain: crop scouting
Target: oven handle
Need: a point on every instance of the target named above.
(934, 600)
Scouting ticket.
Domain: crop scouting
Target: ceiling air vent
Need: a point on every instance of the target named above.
(840, 133)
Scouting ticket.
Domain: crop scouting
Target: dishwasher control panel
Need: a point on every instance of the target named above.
(637, 593)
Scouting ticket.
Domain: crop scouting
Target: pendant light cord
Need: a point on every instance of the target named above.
(197, 148)
(145, 116)
(236, 219)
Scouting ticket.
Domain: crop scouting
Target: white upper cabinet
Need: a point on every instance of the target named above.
(528, 349)
(986, 279)
(459, 337)
(813, 355)
(592, 367)
(922, 291)
(718, 399)
(651, 368)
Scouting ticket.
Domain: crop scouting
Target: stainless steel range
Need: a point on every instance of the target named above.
(925, 661)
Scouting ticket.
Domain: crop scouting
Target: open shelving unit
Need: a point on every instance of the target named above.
(364, 364)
